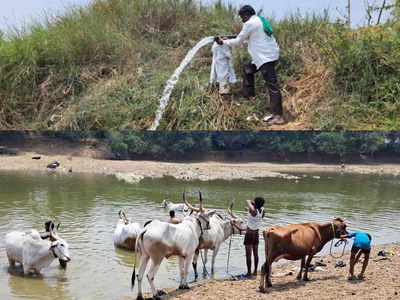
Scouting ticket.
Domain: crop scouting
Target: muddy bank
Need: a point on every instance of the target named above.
(382, 281)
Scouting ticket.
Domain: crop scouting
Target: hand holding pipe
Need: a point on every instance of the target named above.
(219, 38)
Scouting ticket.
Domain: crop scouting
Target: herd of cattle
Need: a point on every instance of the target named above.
(156, 240)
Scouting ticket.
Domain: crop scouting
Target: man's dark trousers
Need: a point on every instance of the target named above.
(269, 75)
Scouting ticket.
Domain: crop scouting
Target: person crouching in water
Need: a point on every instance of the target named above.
(172, 218)
(255, 214)
(361, 244)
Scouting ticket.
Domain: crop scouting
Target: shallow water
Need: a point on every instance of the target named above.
(87, 207)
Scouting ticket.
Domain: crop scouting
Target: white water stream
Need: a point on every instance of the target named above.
(174, 79)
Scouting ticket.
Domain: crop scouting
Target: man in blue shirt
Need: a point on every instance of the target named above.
(361, 244)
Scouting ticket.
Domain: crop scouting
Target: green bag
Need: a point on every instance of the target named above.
(267, 27)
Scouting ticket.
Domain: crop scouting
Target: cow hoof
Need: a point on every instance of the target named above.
(262, 290)
(298, 277)
(156, 297)
(306, 279)
(139, 297)
(269, 285)
(161, 292)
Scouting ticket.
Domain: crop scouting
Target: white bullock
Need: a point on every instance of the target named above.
(171, 206)
(220, 230)
(160, 240)
(126, 232)
(34, 253)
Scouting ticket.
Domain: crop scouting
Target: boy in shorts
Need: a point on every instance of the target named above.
(361, 244)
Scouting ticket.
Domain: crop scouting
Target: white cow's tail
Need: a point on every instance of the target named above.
(136, 249)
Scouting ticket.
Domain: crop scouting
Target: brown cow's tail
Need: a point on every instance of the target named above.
(136, 249)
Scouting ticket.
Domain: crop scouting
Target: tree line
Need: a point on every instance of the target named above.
(156, 144)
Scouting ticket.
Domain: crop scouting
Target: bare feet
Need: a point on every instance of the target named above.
(351, 277)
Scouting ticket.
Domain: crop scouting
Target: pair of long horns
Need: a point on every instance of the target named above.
(200, 200)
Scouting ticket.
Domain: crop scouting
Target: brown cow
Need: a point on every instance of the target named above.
(295, 242)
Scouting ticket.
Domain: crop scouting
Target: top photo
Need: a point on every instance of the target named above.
(214, 65)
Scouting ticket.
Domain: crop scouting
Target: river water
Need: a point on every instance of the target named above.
(87, 207)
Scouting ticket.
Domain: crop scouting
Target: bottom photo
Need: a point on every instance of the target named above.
(199, 214)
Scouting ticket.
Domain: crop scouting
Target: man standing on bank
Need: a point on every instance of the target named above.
(264, 51)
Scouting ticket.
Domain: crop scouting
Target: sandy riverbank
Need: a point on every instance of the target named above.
(382, 281)
(133, 171)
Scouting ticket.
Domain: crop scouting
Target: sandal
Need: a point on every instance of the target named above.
(275, 121)
(268, 117)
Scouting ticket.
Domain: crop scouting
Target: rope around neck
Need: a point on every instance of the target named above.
(229, 254)
(338, 243)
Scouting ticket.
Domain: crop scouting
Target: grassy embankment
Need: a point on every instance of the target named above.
(105, 66)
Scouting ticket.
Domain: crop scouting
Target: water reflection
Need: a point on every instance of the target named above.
(53, 285)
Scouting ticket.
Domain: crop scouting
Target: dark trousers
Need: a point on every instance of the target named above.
(269, 75)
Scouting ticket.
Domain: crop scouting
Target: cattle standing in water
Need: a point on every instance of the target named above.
(34, 253)
(220, 230)
(295, 242)
(126, 232)
(171, 206)
(49, 228)
(159, 240)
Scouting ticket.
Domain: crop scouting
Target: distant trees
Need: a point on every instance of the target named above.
(374, 9)
(156, 144)
(159, 144)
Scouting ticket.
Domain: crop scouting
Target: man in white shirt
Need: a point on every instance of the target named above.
(264, 52)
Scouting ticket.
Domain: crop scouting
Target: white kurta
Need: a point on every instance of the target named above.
(221, 67)
(262, 48)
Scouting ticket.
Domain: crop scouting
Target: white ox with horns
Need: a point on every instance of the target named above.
(126, 232)
(220, 230)
(171, 206)
(34, 253)
(160, 240)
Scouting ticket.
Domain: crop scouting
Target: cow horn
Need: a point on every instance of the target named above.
(119, 213)
(52, 237)
(58, 226)
(184, 197)
(201, 202)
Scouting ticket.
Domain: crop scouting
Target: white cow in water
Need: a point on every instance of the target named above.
(171, 206)
(126, 232)
(220, 230)
(34, 253)
(160, 240)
